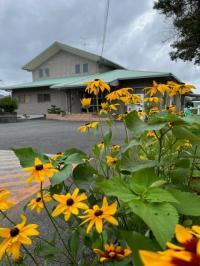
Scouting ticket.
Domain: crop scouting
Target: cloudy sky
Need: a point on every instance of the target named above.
(136, 34)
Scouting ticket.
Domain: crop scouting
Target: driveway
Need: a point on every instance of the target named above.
(50, 136)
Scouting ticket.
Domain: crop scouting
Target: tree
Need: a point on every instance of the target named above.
(185, 15)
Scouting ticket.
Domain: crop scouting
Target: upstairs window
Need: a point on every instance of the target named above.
(46, 97)
(47, 72)
(85, 68)
(41, 73)
(77, 68)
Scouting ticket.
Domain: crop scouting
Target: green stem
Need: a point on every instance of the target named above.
(192, 168)
(69, 256)
(126, 132)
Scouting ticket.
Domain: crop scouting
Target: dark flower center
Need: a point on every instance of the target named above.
(38, 199)
(39, 167)
(70, 202)
(14, 232)
(98, 213)
(96, 80)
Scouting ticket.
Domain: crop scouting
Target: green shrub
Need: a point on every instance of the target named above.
(8, 104)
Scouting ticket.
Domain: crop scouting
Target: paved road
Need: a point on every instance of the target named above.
(49, 136)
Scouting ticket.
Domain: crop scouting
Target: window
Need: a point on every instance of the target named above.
(85, 68)
(77, 68)
(47, 72)
(44, 98)
(40, 73)
(23, 98)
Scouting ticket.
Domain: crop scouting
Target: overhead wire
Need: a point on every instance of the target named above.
(105, 26)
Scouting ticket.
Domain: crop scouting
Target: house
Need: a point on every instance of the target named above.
(59, 74)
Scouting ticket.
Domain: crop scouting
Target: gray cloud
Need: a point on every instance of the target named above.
(135, 34)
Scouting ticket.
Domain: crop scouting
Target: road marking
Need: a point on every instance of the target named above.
(12, 177)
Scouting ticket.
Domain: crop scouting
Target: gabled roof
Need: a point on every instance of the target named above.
(79, 81)
(56, 47)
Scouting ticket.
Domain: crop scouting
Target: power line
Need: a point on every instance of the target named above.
(105, 26)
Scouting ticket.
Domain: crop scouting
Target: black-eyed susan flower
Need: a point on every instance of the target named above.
(96, 86)
(86, 102)
(5, 204)
(118, 94)
(40, 171)
(106, 107)
(70, 204)
(151, 134)
(97, 216)
(157, 88)
(131, 99)
(111, 161)
(101, 145)
(37, 202)
(87, 126)
(187, 254)
(153, 99)
(15, 237)
(154, 110)
(57, 156)
(114, 148)
(121, 117)
(112, 252)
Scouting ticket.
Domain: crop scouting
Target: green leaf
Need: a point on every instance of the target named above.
(74, 242)
(158, 183)
(74, 158)
(61, 176)
(107, 138)
(46, 251)
(165, 117)
(84, 176)
(26, 156)
(189, 203)
(161, 218)
(116, 186)
(77, 151)
(137, 242)
(184, 133)
(131, 144)
(127, 164)
(155, 194)
(135, 124)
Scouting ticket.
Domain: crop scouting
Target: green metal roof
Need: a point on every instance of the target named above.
(79, 81)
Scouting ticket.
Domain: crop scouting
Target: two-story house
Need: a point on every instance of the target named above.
(60, 74)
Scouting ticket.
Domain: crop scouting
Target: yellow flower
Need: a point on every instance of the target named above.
(152, 99)
(101, 145)
(70, 204)
(142, 157)
(40, 171)
(157, 88)
(131, 99)
(121, 117)
(57, 156)
(171, 108)
(96, 216)
(86, 127)
(187, 254)
(114, 148)
(141, 114)
(113, 252)
(175, 88)
(154, 110)
(15, 237)
(86, 102)
(186, 145)
(5, 204)
(151, 134)
(37, 202)
(106, 107)
(111, 160)
(116, 95)
(97, 86)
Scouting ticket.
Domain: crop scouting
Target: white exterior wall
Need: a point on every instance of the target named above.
(34, 107)
(63, 64)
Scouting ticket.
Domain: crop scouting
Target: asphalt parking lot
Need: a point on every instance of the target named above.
(51, 136)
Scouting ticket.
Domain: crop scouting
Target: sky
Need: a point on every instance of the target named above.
(137, 36)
